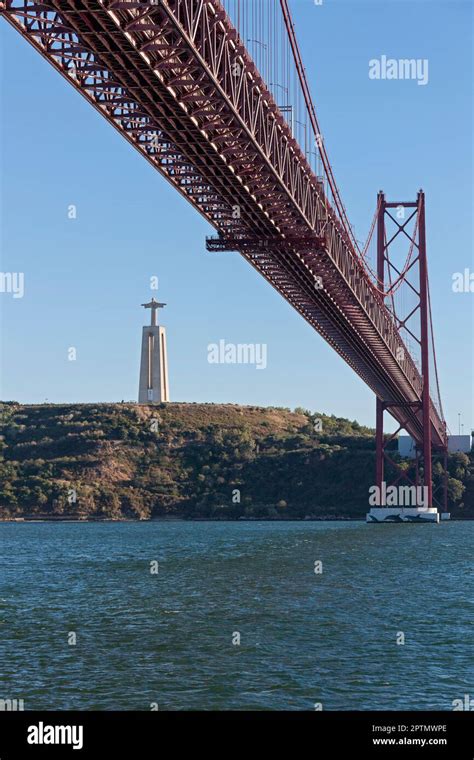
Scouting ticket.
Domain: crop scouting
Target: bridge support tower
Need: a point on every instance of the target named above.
(401, 213)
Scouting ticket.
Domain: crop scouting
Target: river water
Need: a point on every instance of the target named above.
(114, 616)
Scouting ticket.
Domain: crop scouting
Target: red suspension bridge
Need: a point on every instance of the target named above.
(214, 94)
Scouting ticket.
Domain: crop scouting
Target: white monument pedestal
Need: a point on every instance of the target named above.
(404, 514)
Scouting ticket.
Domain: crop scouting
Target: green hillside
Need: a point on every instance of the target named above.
(191, 460)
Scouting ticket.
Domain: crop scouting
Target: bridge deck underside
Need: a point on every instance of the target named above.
(164, 78)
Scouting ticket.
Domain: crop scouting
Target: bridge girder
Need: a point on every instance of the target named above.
(178, 83)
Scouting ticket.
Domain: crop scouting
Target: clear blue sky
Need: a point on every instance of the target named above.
(85, 279)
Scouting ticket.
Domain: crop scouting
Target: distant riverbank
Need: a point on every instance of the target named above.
(77, 519)
(324, 518)
(196, 462)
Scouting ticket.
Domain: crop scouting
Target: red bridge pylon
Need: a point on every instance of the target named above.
(403, 214)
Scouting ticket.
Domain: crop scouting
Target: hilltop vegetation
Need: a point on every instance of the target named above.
(192, 460)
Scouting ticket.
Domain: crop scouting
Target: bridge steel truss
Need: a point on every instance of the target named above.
(175, 79)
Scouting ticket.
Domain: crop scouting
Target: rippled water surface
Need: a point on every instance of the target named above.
(167, 638)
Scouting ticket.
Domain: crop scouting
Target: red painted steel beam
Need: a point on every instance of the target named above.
(425, 363)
